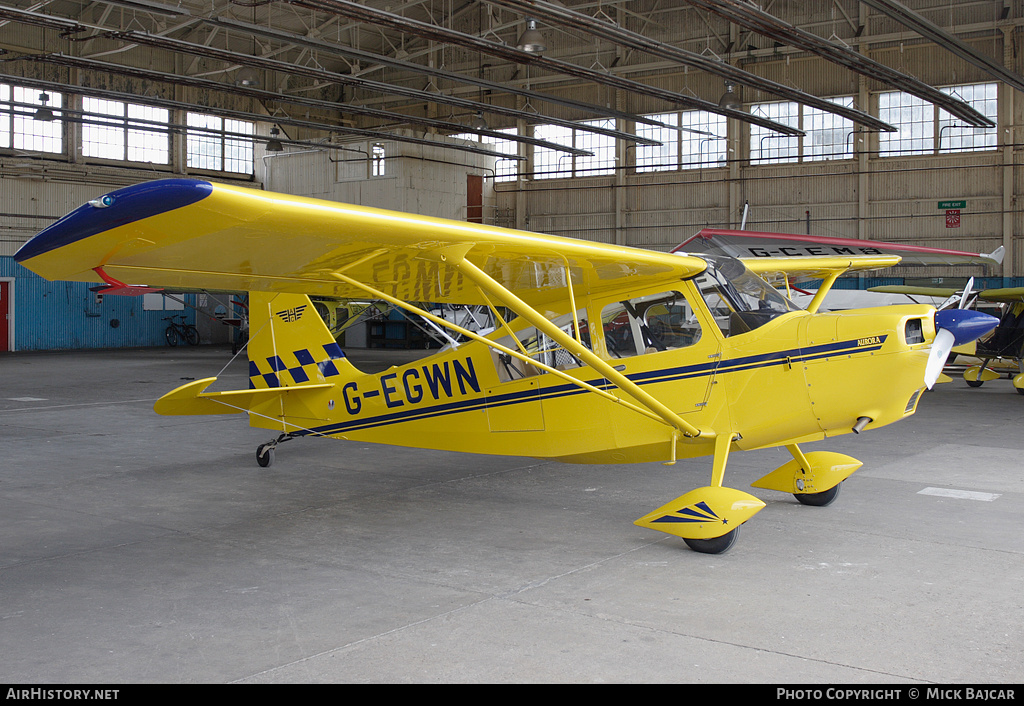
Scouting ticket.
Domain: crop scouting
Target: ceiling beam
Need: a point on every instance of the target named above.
(436, 33)
(271, 97)
(67, 26)
(555, 14)
(748, 16)
(81, 116)
(330, 48)
(905, 16)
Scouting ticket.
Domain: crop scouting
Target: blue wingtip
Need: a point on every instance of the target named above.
(966, 325)
(117, 208)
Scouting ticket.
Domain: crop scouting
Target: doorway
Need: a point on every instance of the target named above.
(6, 313)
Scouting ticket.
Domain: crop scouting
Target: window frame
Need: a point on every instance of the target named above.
(223, 139)
(128, 128)
(938, 121)
(505, 169)
(677, 144)
(18, 106)
(799, 149)
(603, 162)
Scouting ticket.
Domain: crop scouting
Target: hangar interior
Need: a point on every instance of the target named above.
(635, 122)
(142, 548)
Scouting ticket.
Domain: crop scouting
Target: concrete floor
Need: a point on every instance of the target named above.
(136, 548)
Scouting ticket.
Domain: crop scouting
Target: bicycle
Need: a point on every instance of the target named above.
(185, 331)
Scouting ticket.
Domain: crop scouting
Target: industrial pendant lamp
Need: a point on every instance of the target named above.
(729, 99)
(247, 76)
(532, 40)
(274, 144)
(43, 112)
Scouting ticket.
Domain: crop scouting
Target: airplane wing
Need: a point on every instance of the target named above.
(914, 291)
(183, 233)
(798, 269)
(751, 246)
(1003, 295)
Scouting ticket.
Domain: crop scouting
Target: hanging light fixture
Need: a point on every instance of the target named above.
(43, 112)
(274, 144)
(729, 99)
(478, 122)
(247, 76)
(532, 40)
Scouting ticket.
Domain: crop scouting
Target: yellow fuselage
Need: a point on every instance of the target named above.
(798, 378)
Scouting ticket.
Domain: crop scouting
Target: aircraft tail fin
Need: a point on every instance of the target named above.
(294, 365)
(290, 344)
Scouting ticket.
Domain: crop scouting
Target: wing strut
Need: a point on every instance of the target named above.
(826, 285)
(456, 258)
(508, 351)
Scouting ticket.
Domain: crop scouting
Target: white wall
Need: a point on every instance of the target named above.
(416, 179)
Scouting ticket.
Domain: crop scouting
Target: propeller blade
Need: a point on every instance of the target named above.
(941, 346)
(966, 294)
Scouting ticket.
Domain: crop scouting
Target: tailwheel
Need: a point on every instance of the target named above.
(825, 497)
(265, 452)
(265, 455)
(715, 545)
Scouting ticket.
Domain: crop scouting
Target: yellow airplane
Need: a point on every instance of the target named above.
(602, 354)
(1001, 352)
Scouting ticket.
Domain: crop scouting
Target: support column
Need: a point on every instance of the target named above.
(1007, 139)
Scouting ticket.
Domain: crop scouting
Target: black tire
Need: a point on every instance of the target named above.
(192, 335)
(973, 383)
(171, 334)
(715, 545)
(825, 497)
(264, 455)
(1019, 390)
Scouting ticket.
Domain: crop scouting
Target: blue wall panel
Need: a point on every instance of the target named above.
(66, 316)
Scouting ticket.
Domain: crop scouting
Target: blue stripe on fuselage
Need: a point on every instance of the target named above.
(764, 360)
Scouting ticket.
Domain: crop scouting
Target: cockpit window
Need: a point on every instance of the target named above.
(649, 324)
(739, 300)
(538, 346)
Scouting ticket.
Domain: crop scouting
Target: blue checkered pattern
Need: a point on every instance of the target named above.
(308, 363)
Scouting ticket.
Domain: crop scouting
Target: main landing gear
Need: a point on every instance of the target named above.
(822, 499)
(708, 519)
(715, 545)
(265, 452)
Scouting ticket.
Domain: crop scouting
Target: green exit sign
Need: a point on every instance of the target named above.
(952, 204)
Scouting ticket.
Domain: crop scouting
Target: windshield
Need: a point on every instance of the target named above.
(739, 300)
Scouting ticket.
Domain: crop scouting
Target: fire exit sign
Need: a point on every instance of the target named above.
(952, 204)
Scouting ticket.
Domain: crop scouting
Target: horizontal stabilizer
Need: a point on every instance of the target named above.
(191, 399)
